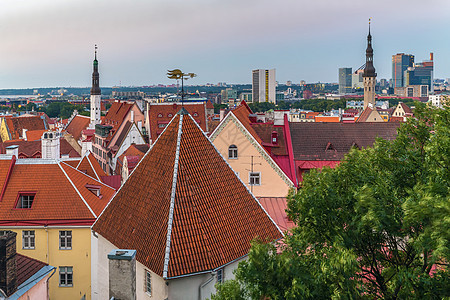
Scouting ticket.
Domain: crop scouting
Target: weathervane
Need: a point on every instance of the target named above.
(178, 74)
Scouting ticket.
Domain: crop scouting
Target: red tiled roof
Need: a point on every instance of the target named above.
(57, 187)
(276, 208)
(365, 115)
(77, 125)
(242, 113)
(17, 124)
(34, 135)
(90, 166)
(162, 113)
(406, 108)
(27, 267)
(117, 113)
(331, 141)
(32, 149)
(214, 216)
(264, 131)
(133, 150)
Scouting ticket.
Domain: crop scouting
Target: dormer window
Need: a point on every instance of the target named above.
(170, 115)
(195, 114)
(94, 189)
(160, 115)
(25, 200)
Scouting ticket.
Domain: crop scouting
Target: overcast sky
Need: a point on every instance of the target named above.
(49, 43)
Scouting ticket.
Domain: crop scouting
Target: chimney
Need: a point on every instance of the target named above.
(8, 275)
(13, 150)
(222, 114)
(132, 116)
(122, 274)
(24, 133)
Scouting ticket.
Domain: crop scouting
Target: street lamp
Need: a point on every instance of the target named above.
(178, 74)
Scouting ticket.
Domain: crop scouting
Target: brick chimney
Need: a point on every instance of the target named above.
(13, 150)
(8, 276)
(122, 274)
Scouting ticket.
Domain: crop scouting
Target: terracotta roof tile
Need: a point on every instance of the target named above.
(32, 149)
(364, 115)
(212, 224)
(133, 150)
(17, 124)
(160, 114)
(276, 208)
(264, 131)
(27, 267)
(34, 135)
(117, 113)
(55, 196)
(77, 125)
(331, 141)
(90, 166)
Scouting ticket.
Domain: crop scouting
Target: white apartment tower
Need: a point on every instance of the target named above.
(95, 95)
(263, 86)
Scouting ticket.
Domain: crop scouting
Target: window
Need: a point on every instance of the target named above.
(28, 239)
(255, 178)
(148, 282)
(233, 152)
(65, 239)
(160, 115)
(195, 114)
(170, 115)
(25, 201)
(220, 275)
(65, 276)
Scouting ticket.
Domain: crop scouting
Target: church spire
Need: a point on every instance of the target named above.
(369, 70)
(95, 90)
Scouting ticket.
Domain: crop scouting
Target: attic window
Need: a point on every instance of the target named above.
(25, 200)
(330, 147)
(195, 114)
(160, 115)
(95, 189)
(170, 115)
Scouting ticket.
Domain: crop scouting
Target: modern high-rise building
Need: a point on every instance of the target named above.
(400, 63)
(345, 80)
(263, 86)
(420, 74)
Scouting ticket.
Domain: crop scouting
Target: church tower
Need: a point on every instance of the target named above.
(95, 95)
(369, 75)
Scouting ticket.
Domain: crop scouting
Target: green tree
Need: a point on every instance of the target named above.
(375, 227)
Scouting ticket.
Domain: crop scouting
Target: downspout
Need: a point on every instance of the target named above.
(200, 288)
(47, 282)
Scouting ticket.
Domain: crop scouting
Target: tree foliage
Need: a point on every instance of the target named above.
(375, 227)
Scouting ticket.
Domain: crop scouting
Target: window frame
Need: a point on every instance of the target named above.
(254, 175)
(28, 240)
(64, 271)
(220, 276)
(19, 200)
(66, 238)
(233, 152)
(148, 282)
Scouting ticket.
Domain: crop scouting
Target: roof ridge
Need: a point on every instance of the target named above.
(172, 199)
(75, 188)
(248, 190)
(93, 169)
(81, 160)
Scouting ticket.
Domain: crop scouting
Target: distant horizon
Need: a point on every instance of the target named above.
(51, 44)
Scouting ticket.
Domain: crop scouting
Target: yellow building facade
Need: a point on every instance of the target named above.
(251, 159)
(4, 130)
(47, 248)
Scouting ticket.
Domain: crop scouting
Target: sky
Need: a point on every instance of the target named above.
(50, 43)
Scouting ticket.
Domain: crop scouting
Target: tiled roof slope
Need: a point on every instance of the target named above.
(264, 131)
(134, 150)
(117, 113)
(90, 166)
(276, 208)
(27, 267)
(60, 192)
(365, 114)
(34, 135)
(207, 221)
(32, 149)
(77, 125)
(17, 124)
(331, 141)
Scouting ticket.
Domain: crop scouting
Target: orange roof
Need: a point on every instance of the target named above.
(32, 149)
(183, 209)
(364, 115)
(61, 192)
(77, 125)
(34, 135)
(90, 166)
(133, 150)
(242, 112)
(17, 124)
(329, 119)
(117, 113)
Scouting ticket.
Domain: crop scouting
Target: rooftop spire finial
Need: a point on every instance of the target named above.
(95, 47)
(370, 19)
